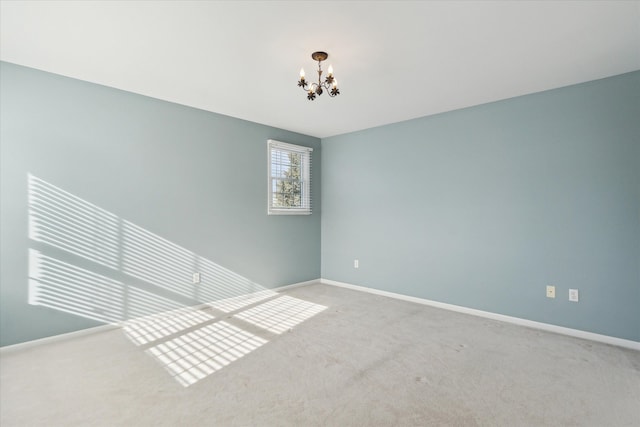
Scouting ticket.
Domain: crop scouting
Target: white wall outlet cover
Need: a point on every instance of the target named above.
(356, 263)
(196, 278)
(551, 291)
(573, 295)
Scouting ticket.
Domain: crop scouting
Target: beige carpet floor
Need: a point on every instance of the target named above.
(320, 356)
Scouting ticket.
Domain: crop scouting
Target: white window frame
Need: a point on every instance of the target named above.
(305, 181)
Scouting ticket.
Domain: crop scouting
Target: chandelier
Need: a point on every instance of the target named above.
(330, 84)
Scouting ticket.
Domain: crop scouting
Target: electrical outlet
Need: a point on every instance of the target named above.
(196, 278)
(573, 295)
(356, 263)
(551, 291)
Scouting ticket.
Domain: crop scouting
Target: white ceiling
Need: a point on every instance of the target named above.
(393, 60)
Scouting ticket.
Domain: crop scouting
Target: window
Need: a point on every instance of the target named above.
(289, 179)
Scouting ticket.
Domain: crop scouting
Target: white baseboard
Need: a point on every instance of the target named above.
(57, 338)
(634, 345)
(297, 285)
(102, 328)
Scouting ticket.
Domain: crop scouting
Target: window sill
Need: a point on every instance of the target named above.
(288, 212)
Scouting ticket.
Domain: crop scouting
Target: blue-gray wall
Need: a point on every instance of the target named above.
(481, 207)
(484, 207)
(192, 186)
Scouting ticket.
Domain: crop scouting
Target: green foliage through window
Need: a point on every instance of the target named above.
(288, 192)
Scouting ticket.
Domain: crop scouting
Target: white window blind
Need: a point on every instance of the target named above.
(289, 179)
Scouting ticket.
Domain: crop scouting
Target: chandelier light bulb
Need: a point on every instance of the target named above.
(301, 73)
(330, 70)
